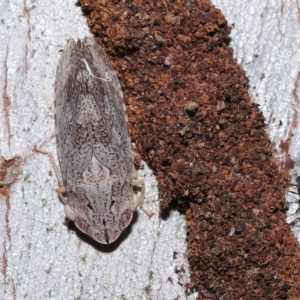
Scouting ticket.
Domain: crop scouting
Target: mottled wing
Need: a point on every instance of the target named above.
(111, 105)
(66, 95)
(93, 140)
(81, 85)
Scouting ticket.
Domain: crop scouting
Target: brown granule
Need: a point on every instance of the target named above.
(194, 124)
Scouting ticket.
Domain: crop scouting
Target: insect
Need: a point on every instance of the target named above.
(93, 142)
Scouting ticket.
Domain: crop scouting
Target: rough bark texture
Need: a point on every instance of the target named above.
(41, 258)
(193, 122)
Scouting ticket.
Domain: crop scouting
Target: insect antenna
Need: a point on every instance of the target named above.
(297, 185)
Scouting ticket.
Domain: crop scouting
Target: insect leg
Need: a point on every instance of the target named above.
(61, 189)
(141, 184)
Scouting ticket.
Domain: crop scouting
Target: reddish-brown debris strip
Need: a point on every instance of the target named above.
(193, 122)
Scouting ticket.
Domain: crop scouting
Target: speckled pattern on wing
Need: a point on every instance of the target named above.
(93, 140)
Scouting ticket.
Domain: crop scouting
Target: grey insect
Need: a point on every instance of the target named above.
(93, 142)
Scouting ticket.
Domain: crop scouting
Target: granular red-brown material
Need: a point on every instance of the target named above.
(194, 124)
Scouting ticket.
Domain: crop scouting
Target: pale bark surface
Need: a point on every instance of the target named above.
(40, 257)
